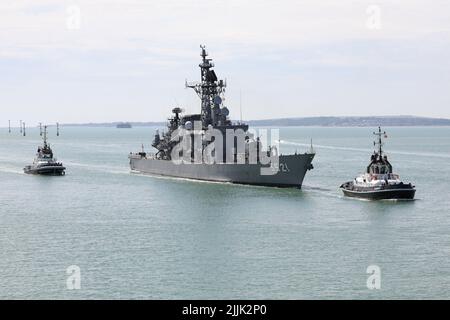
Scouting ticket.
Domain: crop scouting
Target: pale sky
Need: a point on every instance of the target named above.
(112, 60)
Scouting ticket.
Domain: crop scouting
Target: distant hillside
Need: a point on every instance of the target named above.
(385, 121)
(114, 124)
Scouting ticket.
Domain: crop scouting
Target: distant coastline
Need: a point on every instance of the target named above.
(369, 121)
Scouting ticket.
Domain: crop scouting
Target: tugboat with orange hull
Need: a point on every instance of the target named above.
(379, 182)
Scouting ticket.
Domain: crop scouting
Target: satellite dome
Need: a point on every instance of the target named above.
(188, 125)
(217, 100)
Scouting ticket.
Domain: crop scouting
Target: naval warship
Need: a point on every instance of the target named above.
(207, 146)
(379, 182)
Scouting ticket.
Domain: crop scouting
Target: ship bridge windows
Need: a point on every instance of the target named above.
(383, 170)
(379, 169)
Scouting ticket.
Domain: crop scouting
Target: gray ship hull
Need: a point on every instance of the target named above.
(291, 174)
(45, 170)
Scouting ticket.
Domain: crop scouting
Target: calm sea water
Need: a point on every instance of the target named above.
(135, 236)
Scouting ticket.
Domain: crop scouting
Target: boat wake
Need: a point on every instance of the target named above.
(99, 167)
(316, 188)
(319, 146)
(138, 173)
(11, 169)
(332, 193)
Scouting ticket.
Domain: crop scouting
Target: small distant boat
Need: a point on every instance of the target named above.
(379, 182)
(124, 125)
(44, 163)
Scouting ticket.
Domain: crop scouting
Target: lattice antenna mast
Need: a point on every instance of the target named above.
(208, 89)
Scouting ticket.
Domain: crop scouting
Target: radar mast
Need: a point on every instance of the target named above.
(209, 89)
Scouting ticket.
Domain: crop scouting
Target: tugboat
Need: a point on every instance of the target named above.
(44, 163)
(379, 182)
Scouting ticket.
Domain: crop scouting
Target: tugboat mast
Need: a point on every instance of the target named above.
(44, 137)
(379, 142)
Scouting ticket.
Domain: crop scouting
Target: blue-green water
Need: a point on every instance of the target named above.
(136, 236)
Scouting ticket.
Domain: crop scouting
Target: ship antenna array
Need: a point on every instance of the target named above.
(379, 142)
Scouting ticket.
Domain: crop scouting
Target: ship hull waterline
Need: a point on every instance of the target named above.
(292, 171)
(46, 171)
(387, 194)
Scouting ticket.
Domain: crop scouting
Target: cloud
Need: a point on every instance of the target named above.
(270, 49)
(179, 24)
